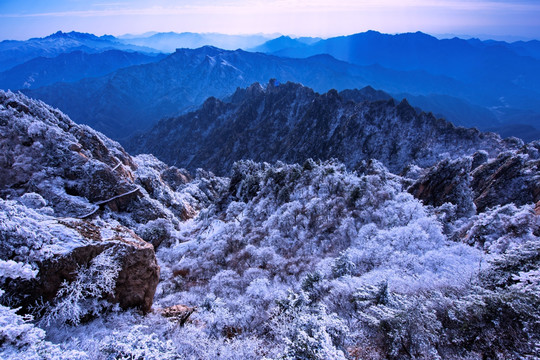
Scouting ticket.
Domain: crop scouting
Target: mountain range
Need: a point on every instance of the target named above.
(13, 52)
(446, 77)
(503, 77)
(170, 41)
(456, 58)
(134, 98)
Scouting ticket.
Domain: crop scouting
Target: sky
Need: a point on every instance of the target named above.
(499, 19)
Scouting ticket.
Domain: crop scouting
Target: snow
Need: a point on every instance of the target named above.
(280, 261)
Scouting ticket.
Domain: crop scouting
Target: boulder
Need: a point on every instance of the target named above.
(79, 242)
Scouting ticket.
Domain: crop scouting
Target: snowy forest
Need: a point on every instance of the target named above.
(104, 255)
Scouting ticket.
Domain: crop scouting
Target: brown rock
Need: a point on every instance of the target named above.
(448, 181)
(136, 282)
(180, 313)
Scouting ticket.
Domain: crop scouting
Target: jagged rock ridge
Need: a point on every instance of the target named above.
(290, 122)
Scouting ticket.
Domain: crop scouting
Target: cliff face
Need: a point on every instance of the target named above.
(290, 122)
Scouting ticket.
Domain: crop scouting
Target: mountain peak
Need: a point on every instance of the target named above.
(204, 50)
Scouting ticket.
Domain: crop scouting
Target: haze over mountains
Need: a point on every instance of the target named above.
(169, 42)
(447, 77)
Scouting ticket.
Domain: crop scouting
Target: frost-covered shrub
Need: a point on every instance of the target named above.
(334, 233)
(499, 229)
(405, 326)
(137, 344)
(307, 331)
(28, 236)
(33, 200)
(13, 270)
(19, 338)
(157, 232)
(85, 296)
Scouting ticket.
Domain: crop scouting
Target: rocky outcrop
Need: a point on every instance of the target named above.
(45, 152)
(68, 194)
(511, 177)
(448, 181)
(60, 247)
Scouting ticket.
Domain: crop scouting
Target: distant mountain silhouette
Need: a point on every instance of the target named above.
(70, 67)
(461, 59)
(13, 52)
(284, 42)
(503, 77)
(170, 41)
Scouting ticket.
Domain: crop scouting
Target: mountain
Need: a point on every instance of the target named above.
(455, 57)
(291, 123)
(119, 256)
(170, 41)
(70, 67)
(500, 75)
(458, 111)
(13, 52)
(134, 98)
(524, 48)
(284, 42)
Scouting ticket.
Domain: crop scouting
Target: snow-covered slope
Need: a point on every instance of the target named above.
(279, 261)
